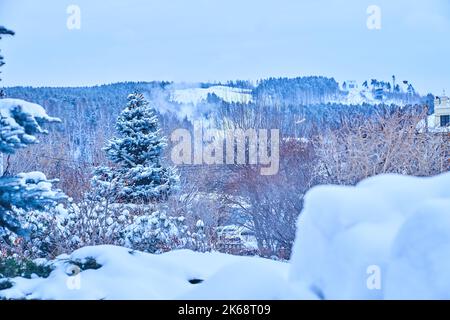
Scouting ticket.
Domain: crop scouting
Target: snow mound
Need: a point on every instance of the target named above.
(197, 95)
(249, 278)
(126, 274)
(386, 238)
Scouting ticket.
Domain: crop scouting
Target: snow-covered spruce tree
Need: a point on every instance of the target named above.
(131, 198)
(19, 122)
(137, 153)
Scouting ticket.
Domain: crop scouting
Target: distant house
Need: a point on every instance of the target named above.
(442, 111)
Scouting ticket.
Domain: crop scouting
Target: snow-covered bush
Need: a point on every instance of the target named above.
(64, 229)
(11, 267)
(46, 236)
(92, 223)
(95, 221)
(156, 232)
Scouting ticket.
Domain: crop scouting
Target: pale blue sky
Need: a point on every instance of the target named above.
(206, 40)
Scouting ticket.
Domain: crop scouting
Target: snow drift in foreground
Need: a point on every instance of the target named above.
(388, 237)
(126, 274)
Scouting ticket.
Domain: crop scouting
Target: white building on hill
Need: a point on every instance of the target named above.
(442, 111)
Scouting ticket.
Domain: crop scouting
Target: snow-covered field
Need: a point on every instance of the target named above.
(386, 238)
(196, 95)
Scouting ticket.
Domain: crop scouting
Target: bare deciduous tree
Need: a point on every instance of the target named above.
(391, 142)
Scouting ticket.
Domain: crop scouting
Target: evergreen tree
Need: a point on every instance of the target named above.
(137, 153)
(374, 83)
(19, 122)
(365, 84)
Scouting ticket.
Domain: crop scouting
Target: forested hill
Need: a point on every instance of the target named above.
(272, 91)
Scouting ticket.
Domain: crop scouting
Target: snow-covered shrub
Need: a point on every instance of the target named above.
(198, 238)
(98, 218)
(11, 267)
(90, 222)
(46, 235)
(200, 215)
(61, 230)
(103, 218)
(156, 232)
(87, 263)
(93, 223)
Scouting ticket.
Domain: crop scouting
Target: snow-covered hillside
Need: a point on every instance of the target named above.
(196, 95)
(354, 96)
